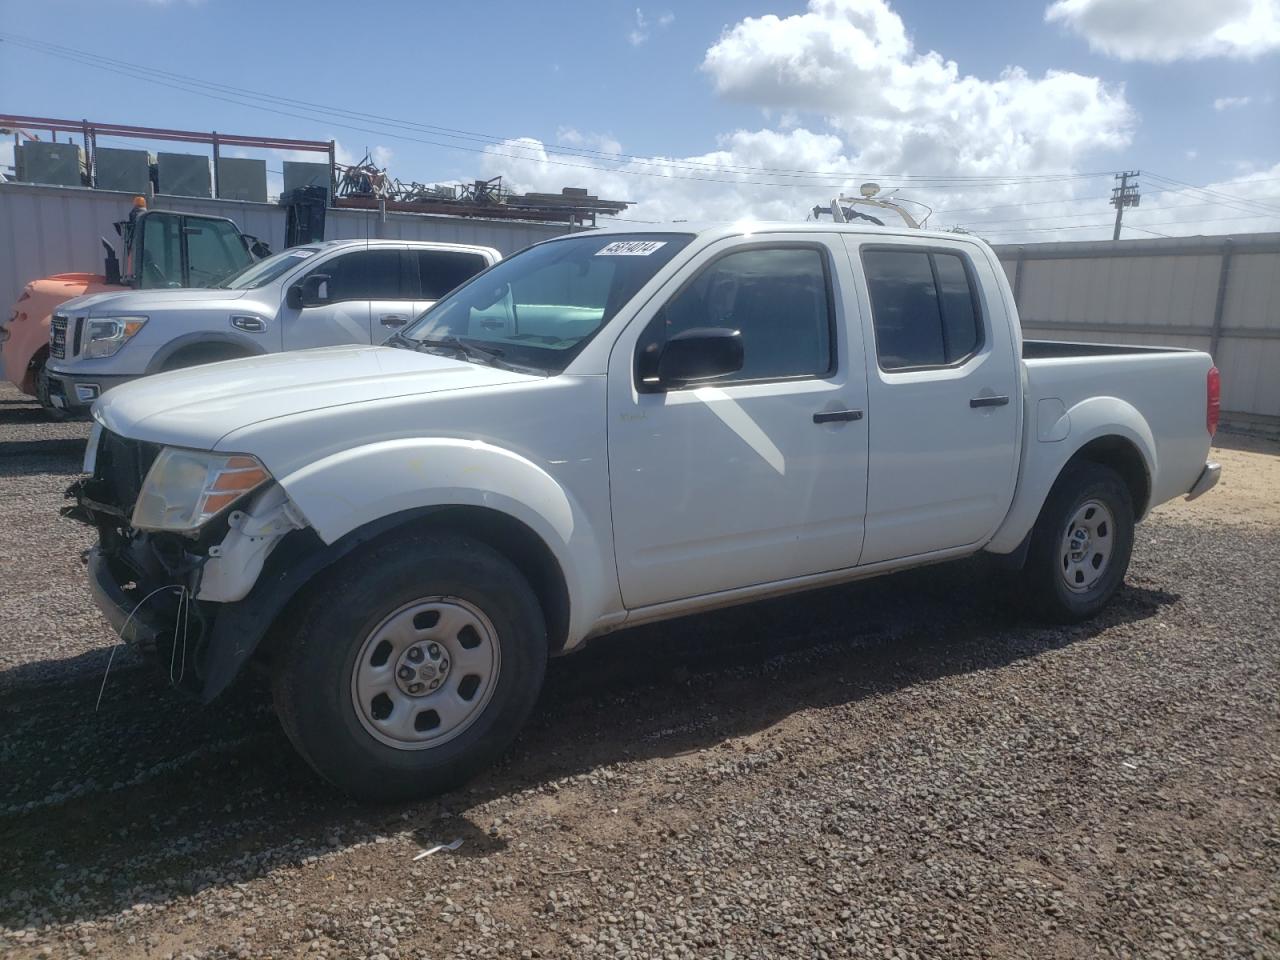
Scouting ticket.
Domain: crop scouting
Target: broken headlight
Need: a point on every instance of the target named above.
(185, 488)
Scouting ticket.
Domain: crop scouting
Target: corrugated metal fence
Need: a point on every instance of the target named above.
(46, 230)
(1220, 294)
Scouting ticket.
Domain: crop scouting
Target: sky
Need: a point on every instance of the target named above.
(1008, 119)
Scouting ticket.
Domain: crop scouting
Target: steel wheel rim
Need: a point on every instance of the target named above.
(442, 639)
(1088, 544)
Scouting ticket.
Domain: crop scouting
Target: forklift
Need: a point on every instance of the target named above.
(161, 249)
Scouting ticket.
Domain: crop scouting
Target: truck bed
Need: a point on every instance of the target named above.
(1158, 392)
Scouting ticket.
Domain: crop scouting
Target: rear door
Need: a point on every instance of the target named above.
(943, 396)
(357, 277)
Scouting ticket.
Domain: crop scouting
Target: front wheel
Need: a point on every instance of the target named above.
(415, 666)
(41, 377)
(1081, 544)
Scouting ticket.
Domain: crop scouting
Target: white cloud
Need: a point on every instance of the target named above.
(853, 62)
(1230, 103)
(642, 26)
(639, 32)
(601, 142)
(1165, 30)
(665, 188)
(851, 97)
(1245, 203)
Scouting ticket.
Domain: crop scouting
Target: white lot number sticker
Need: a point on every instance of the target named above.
(630, 248)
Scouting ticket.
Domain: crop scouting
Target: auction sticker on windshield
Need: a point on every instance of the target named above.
(630, 248)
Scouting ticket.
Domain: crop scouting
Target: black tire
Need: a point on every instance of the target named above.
(1048, 568)
(42, 394)
(199, 356)
(314, 673)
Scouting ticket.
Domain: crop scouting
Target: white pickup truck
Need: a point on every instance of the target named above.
(317, 295)
(606, 429)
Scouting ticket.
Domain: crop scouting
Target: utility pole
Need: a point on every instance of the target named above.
(1124, 195)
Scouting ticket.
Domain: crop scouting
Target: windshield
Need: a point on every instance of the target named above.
(542, 306)
(262, 272)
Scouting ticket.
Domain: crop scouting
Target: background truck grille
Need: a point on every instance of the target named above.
(58, 337)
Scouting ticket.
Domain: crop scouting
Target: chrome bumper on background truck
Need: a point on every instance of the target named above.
(75, 393)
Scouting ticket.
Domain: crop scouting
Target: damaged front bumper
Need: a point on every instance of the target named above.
(135, 623)
(200, 644)
(198, 605)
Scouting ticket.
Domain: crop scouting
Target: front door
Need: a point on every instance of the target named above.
(761, 475)
(357, 279)
(943, 390)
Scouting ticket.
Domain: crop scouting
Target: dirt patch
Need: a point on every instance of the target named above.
(1249, 491)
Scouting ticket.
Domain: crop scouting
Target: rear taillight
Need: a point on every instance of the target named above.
(1213, 400)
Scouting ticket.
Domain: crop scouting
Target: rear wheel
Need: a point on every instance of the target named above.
(415, 666)
(1081, 544)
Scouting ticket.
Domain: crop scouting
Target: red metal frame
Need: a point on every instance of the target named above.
(161, 133)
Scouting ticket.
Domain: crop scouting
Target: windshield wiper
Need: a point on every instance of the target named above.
(471, 351)
(398, 339)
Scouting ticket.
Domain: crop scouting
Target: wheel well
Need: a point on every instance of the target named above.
(519, 544)
(199, 353)
(37, 361)
(1124, 458)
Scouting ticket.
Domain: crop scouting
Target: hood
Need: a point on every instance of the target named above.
(139, 301)
(198, 406)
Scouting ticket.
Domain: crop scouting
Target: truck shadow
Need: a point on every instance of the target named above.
(151, 797)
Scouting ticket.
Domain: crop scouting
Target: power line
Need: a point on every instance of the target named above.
(1091, 226)
(1091, 213)
(1205, 191)
(246, 98)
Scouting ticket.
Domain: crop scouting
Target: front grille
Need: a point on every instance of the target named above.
(120, 468)
(58, 337)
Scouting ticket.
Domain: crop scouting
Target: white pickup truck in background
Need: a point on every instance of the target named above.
(603, 430)
(316, 295)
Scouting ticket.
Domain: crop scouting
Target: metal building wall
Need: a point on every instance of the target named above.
(1220, 294)
(46, 230)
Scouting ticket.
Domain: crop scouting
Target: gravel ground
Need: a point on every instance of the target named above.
(902, 768)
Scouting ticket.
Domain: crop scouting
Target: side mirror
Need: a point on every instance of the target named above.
(698, 355)
(311, 291)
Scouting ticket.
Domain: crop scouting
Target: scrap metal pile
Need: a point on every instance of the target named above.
(364, 185)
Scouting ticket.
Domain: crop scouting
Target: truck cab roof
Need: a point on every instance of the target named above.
(712, 230)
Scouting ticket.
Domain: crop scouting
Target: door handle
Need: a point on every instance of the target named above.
(249, 324)
(836, 416)
(977, 402)
(393, 319)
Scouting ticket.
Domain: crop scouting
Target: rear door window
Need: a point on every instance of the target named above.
(924, 307)
(440, 271)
